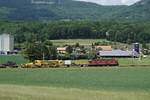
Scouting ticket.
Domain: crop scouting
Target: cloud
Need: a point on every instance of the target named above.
(112, 2)
(129, 2)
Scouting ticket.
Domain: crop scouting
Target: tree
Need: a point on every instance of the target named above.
(69, 49)
(39, 51)
(125, 32)
(77, 45)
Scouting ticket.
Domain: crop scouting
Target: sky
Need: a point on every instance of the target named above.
(112, 2)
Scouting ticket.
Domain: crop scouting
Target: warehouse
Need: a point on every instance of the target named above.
(118, 53)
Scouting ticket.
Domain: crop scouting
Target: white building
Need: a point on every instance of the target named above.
(6, 43)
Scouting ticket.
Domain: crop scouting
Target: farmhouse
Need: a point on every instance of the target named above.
(6, 43)
(61, 50)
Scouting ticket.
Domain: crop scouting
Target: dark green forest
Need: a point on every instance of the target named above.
(125, 32)
(65, 10)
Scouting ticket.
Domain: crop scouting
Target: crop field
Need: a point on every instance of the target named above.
(127, 83)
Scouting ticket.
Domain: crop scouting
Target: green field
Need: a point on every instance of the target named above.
(74, 41)
(75, 84)
(19, 59)
(127, 62)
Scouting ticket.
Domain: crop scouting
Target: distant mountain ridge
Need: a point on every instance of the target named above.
(25, 10)
(138, 11)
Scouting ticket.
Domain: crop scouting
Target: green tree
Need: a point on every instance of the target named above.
(39, 51)
(69, 49)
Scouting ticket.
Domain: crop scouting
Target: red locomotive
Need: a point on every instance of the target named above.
(103, 62)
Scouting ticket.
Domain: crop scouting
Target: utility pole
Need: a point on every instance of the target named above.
(43, 56)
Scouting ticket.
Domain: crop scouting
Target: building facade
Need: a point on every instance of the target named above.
(6, 43)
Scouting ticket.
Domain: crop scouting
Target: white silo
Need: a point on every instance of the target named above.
(6, 43)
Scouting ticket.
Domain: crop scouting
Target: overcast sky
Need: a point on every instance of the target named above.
(112, 2)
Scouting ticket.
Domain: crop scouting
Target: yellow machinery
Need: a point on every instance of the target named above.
(55, 63)
(27, 65)
(80, 63)
(36, 64)
(43, 64)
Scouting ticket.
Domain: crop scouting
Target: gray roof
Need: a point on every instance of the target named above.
(118, 53)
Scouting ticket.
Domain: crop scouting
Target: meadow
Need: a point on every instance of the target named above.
(63, 42)
(127, 83)
(19, 59)
(128, 62)
(87, 42)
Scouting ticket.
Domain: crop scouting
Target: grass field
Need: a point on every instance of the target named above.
(74, 41)
(13, 92)
(75, 84)
(127, 62)
(62, 42)
(15, 58)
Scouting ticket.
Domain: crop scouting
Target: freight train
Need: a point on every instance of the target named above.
(65, 63)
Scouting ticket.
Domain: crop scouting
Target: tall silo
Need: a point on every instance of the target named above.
(6, 43)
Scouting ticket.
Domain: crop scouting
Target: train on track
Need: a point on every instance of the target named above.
(63, 63)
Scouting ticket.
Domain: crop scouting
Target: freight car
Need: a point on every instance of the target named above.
(103, 62)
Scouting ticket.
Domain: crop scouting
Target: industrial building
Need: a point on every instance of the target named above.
(6, 43)
(118, 53)
(135, 52)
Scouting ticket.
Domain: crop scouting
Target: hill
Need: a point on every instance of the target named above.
(138, 11)
(64, 10)
(71, 10)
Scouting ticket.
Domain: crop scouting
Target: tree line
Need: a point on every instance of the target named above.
(126, 32)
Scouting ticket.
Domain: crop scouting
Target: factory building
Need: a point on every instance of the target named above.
(6, 43)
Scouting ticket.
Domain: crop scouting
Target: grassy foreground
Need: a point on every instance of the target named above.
(84, 78)
(13, 92)
(75, 84)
